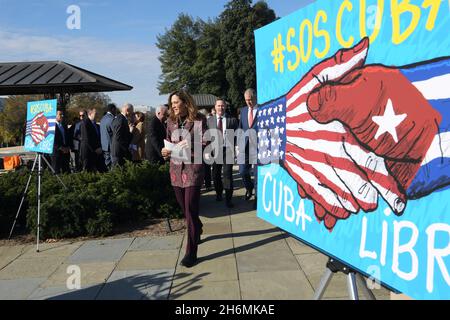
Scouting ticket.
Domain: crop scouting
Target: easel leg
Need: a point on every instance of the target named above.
(54, 172)
(324, 282)
(367, 292)
(39, 202)
(351, 286)
(23, 197)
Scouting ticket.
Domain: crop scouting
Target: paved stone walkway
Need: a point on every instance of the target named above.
(241, 257)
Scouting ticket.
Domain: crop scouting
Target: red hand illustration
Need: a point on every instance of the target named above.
(385, 113)
(318, 154)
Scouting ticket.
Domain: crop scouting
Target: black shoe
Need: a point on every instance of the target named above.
(219, 197)
(189, 261)
(230, 204)
(248, 194)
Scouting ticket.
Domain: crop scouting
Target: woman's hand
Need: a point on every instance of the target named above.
(184, 144)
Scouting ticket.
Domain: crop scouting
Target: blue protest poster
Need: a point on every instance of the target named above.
(40, 130)
(353, 136)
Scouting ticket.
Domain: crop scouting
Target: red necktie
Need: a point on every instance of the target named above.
(250, 117)
(220, 125)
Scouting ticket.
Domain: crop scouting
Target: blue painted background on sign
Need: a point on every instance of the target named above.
(48, 110)
(429, 216)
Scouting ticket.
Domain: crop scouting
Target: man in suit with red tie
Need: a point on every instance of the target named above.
(225, 126)
(248, 121)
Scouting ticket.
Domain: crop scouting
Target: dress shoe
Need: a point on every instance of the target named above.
(248, 194)
(218, 197)
(189, 261)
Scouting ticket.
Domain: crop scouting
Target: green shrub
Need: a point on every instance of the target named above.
(101, 225)
(12, 186)
(93, 204)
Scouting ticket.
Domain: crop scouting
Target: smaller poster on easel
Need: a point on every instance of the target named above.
(40, 130)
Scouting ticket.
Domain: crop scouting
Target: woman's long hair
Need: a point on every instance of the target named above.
(187, 99)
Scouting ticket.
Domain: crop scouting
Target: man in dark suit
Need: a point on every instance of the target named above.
(91, 154)
(76, 138)
(106, 133)
(222, 125)
(248, 121)
(120, 144)
(61, 148)
(156, 135)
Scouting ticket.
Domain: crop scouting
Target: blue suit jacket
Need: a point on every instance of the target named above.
(243, 123)
(106, 131)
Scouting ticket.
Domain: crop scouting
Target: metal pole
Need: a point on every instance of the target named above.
(39, 202)
(351, 286)
(54, 172)
(23, 197)
(324, 282)
(367, 292)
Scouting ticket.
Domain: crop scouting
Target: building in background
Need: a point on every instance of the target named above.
(205, 101)
(144, 109)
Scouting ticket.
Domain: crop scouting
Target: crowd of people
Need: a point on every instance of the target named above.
(98, 147)
(179, 125)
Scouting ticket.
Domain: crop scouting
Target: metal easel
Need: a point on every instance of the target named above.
(333, 267)
(38, 162)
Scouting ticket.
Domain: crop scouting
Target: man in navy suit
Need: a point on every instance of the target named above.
(106, 133)
(91, 156)
(248, 121)
(121, 138)
(223, 124)
(61, 148)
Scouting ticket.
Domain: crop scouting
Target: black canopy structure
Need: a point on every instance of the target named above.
(52, 77)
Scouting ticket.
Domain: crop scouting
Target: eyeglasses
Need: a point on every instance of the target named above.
(81, 115)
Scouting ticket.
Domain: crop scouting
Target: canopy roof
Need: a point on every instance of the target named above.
(51, 77)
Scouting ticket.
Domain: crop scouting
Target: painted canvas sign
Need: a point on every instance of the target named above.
(40, 130)
(353, 136)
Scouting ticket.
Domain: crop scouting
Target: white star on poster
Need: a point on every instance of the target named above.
(388, 122)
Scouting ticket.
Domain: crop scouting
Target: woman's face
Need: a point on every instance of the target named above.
(178, 106)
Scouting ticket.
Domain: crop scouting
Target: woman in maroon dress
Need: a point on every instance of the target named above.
(185, 128)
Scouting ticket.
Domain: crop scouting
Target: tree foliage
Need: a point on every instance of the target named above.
(13, 119)
(215, 56)
(209, 66)
(82, 101)
(238, 22)
(179, 53)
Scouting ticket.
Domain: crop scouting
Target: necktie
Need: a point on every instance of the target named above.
(220, 125)
(250, 117)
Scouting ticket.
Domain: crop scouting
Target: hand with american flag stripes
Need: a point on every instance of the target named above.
(331, 168)
(386, 113)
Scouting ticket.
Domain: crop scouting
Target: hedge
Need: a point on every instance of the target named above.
(94, 204)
